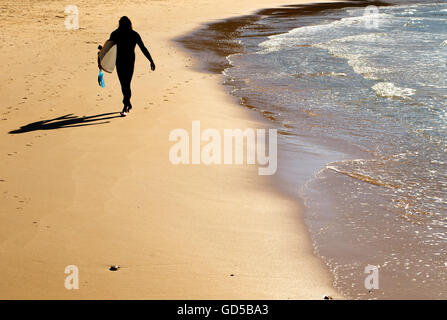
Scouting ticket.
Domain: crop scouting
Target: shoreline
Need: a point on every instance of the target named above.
(105, 193)
(214, 42)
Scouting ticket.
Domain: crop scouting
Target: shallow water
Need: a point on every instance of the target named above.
(361, 106)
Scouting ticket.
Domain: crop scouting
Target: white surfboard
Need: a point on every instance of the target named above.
(107, 56)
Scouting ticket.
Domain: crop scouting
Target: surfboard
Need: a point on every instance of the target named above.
(107, 56)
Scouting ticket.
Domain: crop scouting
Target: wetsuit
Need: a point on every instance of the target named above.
(125, 58)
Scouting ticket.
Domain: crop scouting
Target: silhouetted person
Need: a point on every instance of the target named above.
(126, 39)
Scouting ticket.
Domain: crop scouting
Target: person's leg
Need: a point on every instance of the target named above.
(129, 92)
(121, 71)
(125, 73)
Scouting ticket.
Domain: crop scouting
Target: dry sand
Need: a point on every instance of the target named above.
(106, 193)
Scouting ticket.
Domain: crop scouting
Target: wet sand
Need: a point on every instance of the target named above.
(81, 186)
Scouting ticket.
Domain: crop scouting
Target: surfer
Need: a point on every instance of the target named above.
(126, 39)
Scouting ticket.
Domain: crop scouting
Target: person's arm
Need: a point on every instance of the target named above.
(113, 36)
(145, 51)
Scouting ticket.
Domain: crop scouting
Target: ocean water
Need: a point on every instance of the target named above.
(360, 99)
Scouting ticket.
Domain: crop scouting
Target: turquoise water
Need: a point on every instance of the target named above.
(365, 101)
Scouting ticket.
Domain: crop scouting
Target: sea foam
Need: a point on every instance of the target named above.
(389, 90)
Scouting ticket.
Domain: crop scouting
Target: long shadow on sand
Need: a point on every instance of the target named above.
(67, 121)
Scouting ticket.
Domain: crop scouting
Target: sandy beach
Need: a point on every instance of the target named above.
(92, 189)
